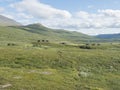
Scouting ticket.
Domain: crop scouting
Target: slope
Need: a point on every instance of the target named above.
(37, 31)
(17, 35)
(57, 34)
(4, 21)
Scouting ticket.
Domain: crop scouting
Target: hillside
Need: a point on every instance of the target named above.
(35, 32)
(4, 21)
(10, 30)
(57, 33)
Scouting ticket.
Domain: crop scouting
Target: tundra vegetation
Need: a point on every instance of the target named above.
(52, 66)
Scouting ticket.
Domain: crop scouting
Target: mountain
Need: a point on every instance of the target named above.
(109, 36)
(10, 30)
(4, 21)
(36, 32)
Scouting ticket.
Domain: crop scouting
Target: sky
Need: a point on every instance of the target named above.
(87, 16)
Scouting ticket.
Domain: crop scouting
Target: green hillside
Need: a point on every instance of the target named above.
(58, 33)
(16, 34)
(10, 30)
(35, 32)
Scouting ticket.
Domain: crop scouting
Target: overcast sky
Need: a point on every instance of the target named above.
(86, 16)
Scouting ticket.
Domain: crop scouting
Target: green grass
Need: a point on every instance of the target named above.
(60, 67)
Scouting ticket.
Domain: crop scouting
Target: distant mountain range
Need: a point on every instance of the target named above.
(109, 36)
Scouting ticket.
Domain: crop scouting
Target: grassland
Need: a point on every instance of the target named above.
(59, 67)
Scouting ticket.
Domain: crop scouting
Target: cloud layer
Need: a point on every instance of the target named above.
(1, 9)
(101, 19)
(31, 11)
(40, 10)
(64, 19)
